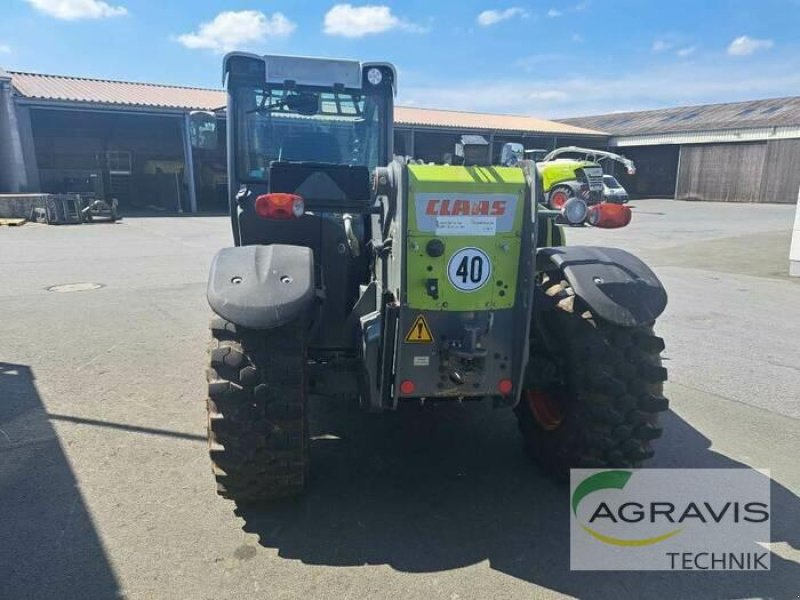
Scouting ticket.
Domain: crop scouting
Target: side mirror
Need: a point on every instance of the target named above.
(203, 130)
(511, 154)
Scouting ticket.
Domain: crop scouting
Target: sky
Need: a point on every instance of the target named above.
(557, 58)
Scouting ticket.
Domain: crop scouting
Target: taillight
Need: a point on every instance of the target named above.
(609, 216)
(407, 387)
(280, 206)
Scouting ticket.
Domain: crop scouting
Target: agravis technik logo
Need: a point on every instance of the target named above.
(604, 481)
(669, 519)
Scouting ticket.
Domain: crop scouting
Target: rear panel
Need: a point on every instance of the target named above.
(465, 230)
(476, 214)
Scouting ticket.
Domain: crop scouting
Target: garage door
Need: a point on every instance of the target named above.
(721, 172)
(781, 172)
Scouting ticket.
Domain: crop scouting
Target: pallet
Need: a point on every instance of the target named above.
(12, 222)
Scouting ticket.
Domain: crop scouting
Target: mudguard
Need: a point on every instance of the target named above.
(262, 287)
(616, 286)
(571, 184)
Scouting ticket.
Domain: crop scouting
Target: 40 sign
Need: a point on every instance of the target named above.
(469, 269)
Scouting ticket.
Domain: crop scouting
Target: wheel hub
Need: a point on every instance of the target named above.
(546, 409)
(559, 199)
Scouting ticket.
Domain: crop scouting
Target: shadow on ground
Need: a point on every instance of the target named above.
(451, 488)
(48, 545)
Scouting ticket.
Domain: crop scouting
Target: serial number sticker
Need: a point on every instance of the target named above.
(422, 361)
(469, 269)
(466, 225)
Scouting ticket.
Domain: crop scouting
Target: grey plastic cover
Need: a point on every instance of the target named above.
(261, 287)
(617, 286)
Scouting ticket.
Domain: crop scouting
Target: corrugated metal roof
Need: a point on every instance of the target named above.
(428, 117)
(755, 134)
(772, 112)
(62, 88)
(105, 91)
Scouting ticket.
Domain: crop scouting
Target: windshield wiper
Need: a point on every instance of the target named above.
(267, 109)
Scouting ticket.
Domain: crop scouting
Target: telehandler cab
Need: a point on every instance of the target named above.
(393, 282)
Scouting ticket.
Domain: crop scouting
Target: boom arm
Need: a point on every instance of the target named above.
(593, 155)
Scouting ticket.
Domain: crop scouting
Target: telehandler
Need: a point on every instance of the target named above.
(355, 274)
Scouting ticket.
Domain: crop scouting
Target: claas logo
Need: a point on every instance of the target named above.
(466, 208)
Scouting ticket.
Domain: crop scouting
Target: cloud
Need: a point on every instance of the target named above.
(534, 62)
(552, 13)
(673, 42)
(745, 46)
(72, 10)
(492, 17)
(548, 95)
(661, 46)
(351, 21)
(647, 87)
(5, 49)
(231, 30)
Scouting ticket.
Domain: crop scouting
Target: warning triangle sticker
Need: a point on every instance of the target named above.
(419, 333)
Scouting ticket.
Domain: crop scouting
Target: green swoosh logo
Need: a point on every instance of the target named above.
(599, 481)
(615, 480)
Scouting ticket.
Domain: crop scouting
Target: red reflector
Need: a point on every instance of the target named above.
(504, 386)
(407, 387)
(609, 216)
(279, 206)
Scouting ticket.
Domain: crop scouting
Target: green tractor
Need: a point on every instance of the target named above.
(354, 274)
(576, 175)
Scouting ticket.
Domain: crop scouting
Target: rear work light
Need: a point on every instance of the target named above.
(574, 211)
(280, 206)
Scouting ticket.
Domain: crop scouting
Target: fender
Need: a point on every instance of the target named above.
(262, 287)
(571, 184)
(616, 286)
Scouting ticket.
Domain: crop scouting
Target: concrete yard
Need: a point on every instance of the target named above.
(105, 481)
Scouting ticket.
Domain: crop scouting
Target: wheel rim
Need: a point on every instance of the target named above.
(545, 409)
(558, 199)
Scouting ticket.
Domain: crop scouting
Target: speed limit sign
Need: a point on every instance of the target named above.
(469, 269)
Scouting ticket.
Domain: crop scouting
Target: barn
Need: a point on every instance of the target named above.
(129, 140)
(733, 152)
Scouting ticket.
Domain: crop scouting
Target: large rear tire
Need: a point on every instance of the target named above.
(257, 425)
(599, 404)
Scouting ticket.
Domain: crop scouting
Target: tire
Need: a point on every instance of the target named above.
(559, 196)
(257, 422)
(600, 403)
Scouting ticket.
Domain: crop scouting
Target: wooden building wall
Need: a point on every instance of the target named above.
(781, 179)
(740, 172)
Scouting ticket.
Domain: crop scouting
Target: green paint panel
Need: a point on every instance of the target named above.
(559, 171)
(428, 175)
(476, 212)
